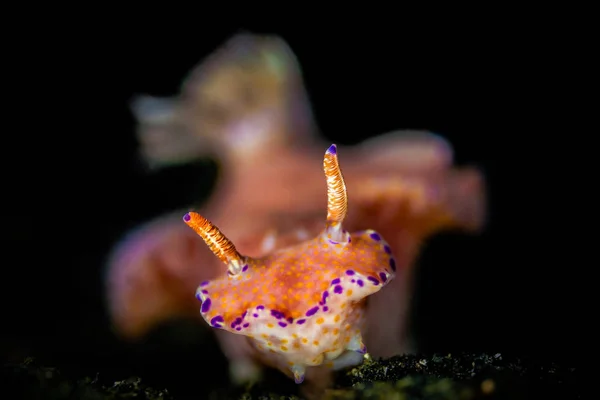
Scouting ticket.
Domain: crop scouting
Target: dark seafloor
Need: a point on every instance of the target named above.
(463, 376)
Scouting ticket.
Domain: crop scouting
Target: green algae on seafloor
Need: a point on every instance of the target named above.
(461, 376)
(461, 366)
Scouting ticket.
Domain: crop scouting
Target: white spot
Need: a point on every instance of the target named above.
(302, 234)
(268, 243)
(244, 371)
(252, 133)
(347, 359)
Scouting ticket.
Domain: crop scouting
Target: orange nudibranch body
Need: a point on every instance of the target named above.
(303, 305)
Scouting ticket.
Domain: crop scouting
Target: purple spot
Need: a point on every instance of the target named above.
(187, 217)
(374, 280)
(260, 307)
(239, 328)
(332, 149)
(198, 296)
(333, 241)
(255, 315)
(387, 249)
(349, 239)
(206, 305)
(204, 283)
(312, 311)
(393, 264)
(325, 308)
(277, 314)
(246, 325)
(244, 314)
(300, 321)
(383, 277)
(290, 320)
(325, 295)
(216, 321)
(335, 281)
(360, 283)
(353, 280)
(338, 289)
(375, 236)
(245, 268)
(204, 291)
(238, 321)
(282, 324)
(349, 272)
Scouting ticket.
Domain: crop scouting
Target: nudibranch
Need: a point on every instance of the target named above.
(302, 306)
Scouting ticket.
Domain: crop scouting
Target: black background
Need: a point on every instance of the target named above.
(74, 185)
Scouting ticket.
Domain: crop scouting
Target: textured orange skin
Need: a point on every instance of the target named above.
(292, 281)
